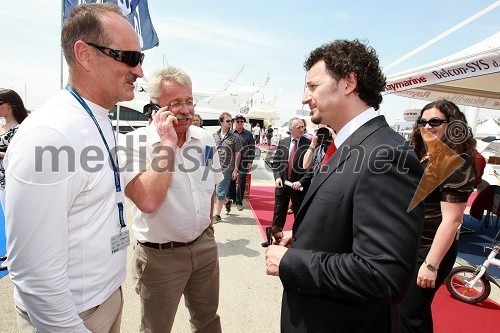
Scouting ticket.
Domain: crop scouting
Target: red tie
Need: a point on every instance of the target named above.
(331, 150)
(290, 159)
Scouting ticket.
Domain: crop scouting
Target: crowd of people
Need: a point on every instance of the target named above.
(364, 242)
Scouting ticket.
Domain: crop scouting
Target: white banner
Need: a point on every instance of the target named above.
(464, 68)
(460, 99)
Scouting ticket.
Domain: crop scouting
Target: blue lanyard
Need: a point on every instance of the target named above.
(114, 163)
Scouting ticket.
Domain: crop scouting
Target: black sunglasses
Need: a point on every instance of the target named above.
(228, 121)
(434, 122)
(131, 58)
(2, 101)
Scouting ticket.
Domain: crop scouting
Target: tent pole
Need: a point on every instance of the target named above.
(472, 117)
(441, 36)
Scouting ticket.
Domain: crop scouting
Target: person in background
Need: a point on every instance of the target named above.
(354, 243)
(229, 147)
(197, 120)
(320, 142)
(237, 191)
(170, 177)
(444, 207)
(13, 111)
(269, 136)
(256, 133)
(66, 234)
(289, 157)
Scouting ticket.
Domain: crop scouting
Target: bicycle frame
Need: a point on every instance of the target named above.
(490, 260)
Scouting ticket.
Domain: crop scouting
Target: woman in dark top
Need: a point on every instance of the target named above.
(13, 111)
(441, 125)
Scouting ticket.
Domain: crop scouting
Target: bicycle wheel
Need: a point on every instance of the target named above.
(456, 283)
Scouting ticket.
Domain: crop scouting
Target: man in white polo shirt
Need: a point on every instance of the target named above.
(66, 235)
(171, 174)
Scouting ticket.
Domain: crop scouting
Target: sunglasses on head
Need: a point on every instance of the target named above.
(131, 58)
(434, 122)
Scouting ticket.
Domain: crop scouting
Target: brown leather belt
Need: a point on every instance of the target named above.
(170, 245)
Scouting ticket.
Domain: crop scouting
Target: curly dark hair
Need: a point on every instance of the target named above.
(342, 57)
(458, 134)
(16, 103)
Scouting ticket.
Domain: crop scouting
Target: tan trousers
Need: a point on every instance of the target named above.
(161, 277)
(104, 318)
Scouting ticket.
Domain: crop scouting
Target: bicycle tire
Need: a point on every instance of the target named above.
(455, 283)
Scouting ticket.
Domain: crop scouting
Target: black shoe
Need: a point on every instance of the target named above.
(216, 219)
(3, 268)
(228, 206)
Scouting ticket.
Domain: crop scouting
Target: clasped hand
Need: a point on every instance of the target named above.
(275, 253)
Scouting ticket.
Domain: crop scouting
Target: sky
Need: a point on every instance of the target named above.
(212, 40)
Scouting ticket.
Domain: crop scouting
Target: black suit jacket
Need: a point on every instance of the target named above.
(280, 161)
(354, 243)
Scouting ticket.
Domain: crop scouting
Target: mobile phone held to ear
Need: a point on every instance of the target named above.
(155, 107)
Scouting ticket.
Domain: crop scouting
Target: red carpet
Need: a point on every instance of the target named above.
(449, 314)
(261, 202)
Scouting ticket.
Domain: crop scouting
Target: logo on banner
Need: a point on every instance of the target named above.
(129, 8)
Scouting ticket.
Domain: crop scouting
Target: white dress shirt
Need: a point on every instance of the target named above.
(185, 212)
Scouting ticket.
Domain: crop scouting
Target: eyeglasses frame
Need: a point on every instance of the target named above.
(177, 106)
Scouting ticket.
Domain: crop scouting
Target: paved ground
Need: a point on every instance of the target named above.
(249, 299)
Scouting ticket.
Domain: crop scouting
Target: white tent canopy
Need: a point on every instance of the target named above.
(488, 128)
(470, 77)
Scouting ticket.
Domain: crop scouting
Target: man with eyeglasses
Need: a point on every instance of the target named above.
(170, 176)
(67, 238)
(229, 148)
(237, 191)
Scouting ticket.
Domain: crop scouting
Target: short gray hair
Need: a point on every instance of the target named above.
(167, 74)
(290, 122)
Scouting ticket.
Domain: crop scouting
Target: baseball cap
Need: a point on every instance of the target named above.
(239, 115)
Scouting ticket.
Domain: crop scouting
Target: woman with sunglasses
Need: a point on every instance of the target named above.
(441, 125)
(13, 111)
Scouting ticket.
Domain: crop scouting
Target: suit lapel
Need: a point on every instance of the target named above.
(341, 155)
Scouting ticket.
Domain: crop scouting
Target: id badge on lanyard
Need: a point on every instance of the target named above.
(121, 240)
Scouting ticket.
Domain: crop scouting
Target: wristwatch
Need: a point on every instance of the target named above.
(430, 267)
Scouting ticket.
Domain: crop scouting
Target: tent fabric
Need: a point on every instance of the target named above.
(488, 128)
(469, 77)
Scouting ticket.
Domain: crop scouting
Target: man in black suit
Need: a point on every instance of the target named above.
(354, 245)
(288, 161)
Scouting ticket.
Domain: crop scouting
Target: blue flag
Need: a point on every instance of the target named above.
(137, 13)
(70, 4)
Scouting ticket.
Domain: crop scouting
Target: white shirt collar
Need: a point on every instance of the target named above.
(353, 125)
